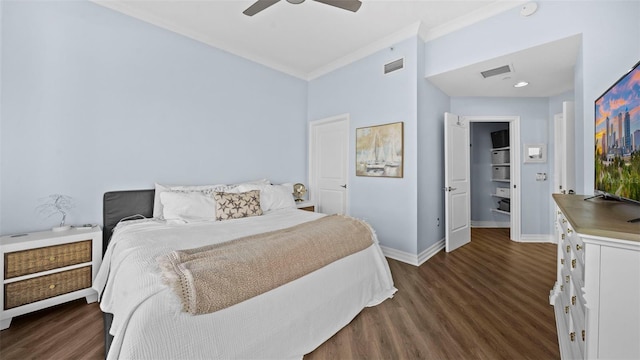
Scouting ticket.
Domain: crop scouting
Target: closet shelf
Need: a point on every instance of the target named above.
(500, 211)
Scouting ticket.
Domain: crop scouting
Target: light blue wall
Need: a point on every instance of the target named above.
(93, 101)
(610, 33)
(432, 104)
(533, 112)
(372, 98)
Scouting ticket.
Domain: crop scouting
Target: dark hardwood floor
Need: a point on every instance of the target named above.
(486, 300)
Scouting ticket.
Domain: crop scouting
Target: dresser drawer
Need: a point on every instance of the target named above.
(33, 261)
(44, 287)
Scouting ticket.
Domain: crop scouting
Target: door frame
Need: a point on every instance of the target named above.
(514, 168)
(313, 126)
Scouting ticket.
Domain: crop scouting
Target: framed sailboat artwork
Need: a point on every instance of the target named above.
(379, 150)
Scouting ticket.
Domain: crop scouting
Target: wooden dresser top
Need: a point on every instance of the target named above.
(599, 217)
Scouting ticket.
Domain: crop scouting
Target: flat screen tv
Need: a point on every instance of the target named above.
(617, 139)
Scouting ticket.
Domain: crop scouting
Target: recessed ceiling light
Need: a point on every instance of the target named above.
(521, 84)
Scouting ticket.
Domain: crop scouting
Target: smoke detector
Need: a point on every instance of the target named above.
(528, 9)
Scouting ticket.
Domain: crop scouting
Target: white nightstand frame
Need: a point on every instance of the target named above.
(11, 243)
(306, 203)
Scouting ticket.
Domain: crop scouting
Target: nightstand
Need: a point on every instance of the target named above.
(306, 205)
(47, 268)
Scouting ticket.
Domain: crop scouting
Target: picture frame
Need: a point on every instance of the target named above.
(380, 150)
(535, 153)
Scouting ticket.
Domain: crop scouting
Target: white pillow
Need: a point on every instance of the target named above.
(187, 206)
(205, 189)
(272, 197)
(254, 182)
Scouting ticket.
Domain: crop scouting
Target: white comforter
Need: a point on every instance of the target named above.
(284, 323)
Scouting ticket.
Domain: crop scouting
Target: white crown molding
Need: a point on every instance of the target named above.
(407, 32)
(123, 8)
(420, 30)
(416, 29)
(469, 19)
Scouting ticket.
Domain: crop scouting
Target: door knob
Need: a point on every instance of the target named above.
(448, 188)
(344, 186)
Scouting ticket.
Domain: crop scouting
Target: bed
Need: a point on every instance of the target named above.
(144, 318)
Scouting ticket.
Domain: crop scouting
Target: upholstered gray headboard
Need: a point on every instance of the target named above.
(117, 205)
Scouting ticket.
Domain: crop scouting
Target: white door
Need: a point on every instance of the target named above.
(328, 164)
(564, 157)
(457, 202)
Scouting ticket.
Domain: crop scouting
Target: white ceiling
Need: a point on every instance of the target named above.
(548, 68)
(311, 39)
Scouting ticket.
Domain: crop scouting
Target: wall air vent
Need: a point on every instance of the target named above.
(497, 71)
(393, 66)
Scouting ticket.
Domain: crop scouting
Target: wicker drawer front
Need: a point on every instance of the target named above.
(32, 261)
(44, 287)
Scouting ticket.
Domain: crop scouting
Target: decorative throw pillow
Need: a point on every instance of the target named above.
(238, 205)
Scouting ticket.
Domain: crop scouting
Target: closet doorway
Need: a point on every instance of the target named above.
(489, 192)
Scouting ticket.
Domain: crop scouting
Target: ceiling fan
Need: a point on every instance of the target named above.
(351, 5)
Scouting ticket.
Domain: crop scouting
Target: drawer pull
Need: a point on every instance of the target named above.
(573, 263)
(568, 248)
(562, 261)
(569, 231)
(564, 221)
(578, 247)
(563, 236)
(52, 286)
(573, 336)
(567, 277)
(52, 259)
(561, 287)
(566, 309)
(584, 335)
(573, 300)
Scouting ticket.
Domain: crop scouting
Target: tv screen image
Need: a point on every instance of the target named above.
(617, 138)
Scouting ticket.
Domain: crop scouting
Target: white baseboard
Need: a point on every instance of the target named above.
(413, 259)
(491, 224)
(417, 260)
(537, 238)
(405, 257)
(430, 251)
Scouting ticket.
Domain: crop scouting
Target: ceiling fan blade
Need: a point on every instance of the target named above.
(259, 6)
(351, 5)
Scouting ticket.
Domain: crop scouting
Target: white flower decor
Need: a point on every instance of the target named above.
(56, 204)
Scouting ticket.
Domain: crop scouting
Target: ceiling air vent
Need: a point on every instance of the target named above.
(497, 71)
(393, 66)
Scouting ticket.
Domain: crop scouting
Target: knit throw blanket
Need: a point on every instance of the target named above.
(214, 277)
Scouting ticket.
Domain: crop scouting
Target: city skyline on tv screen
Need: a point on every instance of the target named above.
(617, 138)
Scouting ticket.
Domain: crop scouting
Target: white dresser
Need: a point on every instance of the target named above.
(597, 293)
